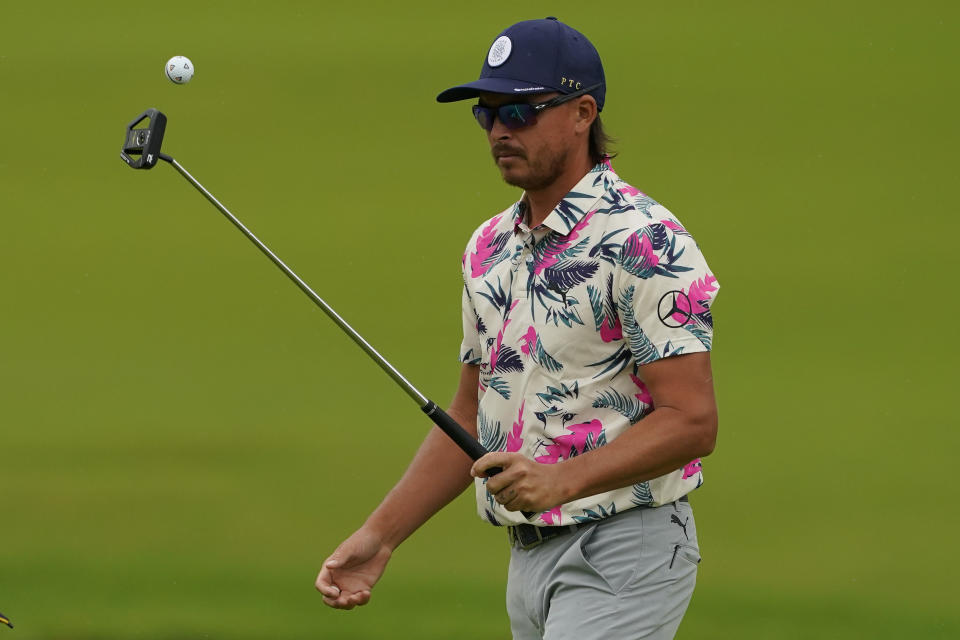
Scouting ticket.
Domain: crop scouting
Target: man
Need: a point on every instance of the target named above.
(586, 370)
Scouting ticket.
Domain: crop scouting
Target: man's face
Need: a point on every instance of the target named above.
(532, 157)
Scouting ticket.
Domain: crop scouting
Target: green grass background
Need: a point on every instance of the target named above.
(184, 437)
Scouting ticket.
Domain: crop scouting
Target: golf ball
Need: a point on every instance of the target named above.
(179, 69)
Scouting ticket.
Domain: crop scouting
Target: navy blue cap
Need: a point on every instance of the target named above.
(536, 56)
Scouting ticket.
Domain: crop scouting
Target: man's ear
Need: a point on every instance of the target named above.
(586, 113)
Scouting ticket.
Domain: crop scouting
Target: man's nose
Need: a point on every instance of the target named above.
(499, 131)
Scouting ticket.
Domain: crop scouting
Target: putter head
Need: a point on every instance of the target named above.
(141, 146)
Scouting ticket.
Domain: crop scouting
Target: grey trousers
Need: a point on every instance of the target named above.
(627, 577)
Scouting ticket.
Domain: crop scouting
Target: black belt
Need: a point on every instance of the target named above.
(527, 536)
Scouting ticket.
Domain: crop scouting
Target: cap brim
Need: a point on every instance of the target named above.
(490, 85)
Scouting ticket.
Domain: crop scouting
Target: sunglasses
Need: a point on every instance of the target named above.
(521, 114)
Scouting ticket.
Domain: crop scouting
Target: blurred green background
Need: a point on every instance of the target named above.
(184, 437)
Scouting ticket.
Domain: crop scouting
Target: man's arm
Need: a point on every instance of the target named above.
(681, 428)
(440, 471)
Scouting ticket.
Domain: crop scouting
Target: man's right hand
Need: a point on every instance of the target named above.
(348, 575)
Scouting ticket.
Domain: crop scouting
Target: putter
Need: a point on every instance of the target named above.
(141, 150)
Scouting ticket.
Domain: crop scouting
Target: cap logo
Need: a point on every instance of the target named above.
(500, 51)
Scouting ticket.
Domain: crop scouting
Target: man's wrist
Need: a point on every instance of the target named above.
(384, 530)
(569, 479)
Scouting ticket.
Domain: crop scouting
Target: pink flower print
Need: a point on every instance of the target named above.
(484, 250)
(529, 340)
(637, 255)
(550, 255)
(650, 259)
(515, 437)
(627, 190)
(554, 454)
(644, 395)
(692, 468)
(571, 443)
(673, 225)
(608, 333)
(690, 304)
(495, 352)
(552, 516)
(700, 291)
(531, 347)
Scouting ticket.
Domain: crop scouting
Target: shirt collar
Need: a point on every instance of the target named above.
(575, 204)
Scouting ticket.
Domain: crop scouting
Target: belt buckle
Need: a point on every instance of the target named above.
(538, 539)
(517, 539)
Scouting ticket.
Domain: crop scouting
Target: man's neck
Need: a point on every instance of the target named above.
(543, 201)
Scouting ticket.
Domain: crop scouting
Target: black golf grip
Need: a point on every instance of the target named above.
(458, 434)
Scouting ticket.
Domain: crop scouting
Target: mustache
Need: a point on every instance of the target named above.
(502, 149)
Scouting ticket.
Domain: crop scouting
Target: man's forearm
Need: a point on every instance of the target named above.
(439, 473)
(660, 443)
(683, 427)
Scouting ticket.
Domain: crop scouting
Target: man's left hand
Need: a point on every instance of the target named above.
(523, 484)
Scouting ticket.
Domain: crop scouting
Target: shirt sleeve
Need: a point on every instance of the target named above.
(664, 290)
(470, 352)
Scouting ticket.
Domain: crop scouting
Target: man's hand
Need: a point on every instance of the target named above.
(523, 485)
(348, 576)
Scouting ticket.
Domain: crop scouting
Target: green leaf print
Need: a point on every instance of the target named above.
(641, 346)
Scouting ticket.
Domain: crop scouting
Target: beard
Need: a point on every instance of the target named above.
(540, 174)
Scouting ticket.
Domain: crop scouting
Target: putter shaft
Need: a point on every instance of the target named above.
(411, 391)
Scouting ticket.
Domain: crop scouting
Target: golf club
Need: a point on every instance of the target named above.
(141, 150)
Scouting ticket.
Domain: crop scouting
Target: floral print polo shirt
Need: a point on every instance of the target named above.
(561, 317)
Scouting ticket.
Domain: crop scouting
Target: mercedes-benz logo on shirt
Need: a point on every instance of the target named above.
(668, 307)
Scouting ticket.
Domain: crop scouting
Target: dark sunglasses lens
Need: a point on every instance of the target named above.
(514, 116)
(484, 116)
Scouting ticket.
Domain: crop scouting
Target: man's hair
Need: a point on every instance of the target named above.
(599, 142)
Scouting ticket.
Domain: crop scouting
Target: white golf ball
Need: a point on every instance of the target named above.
(179, 69)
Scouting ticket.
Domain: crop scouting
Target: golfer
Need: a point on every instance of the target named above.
(586, 370)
